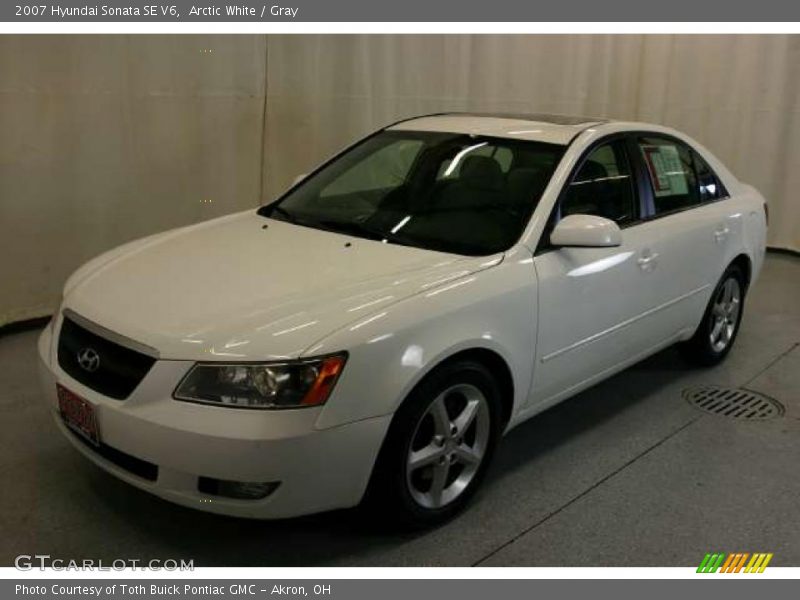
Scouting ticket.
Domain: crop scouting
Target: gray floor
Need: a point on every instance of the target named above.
(627, 474)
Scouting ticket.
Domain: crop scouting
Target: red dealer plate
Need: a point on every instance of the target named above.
(78, 414)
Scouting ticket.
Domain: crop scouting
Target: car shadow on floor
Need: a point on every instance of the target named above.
(590, 408)
(344, 536)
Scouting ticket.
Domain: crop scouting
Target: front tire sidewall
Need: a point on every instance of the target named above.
(389, 488)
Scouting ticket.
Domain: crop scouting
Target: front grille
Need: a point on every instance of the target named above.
(117, 370)
(136, 466)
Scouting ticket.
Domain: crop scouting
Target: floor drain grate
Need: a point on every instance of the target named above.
(734, 403)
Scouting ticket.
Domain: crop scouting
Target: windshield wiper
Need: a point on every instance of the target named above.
(346, 227)
(362, 230)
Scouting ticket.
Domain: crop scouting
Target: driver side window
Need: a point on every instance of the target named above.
(603, 186)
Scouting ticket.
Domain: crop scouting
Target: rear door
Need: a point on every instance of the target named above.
(687, 230)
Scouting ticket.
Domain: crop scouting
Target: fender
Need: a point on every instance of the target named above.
(392, 350)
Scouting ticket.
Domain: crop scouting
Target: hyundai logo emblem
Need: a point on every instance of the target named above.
(89, 359)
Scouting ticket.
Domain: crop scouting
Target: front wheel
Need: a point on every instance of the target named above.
(717, 332)
(438, 446)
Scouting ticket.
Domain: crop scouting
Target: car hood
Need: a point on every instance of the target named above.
(231, 289)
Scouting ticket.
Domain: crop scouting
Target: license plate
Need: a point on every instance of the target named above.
(78, 414)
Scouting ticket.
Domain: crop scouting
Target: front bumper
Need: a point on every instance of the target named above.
(318, 469)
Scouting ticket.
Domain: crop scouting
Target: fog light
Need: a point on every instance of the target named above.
(240, 490)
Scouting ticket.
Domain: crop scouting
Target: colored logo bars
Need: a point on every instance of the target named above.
(735, 562)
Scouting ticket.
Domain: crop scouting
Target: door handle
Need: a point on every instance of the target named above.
(720, 234)
(648, 261)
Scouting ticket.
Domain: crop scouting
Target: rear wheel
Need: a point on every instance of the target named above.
(438, 447)
(717, 332)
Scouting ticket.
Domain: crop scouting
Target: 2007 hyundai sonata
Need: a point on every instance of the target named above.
(373, 333)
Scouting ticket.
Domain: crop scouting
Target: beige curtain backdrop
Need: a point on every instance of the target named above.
(738, 95)
(104, 139)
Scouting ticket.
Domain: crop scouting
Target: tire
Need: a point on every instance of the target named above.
(412, 493)
(717, 332)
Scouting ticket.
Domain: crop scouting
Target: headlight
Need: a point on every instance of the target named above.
(292, 384)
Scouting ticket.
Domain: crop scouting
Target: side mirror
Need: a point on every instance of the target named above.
(586, 231)
(299, 178)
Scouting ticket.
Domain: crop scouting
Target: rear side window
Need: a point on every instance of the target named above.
(671, 174)
(603, 186)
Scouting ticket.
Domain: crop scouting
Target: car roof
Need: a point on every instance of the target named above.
(552, 129)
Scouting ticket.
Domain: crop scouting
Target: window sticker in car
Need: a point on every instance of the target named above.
(666, 171)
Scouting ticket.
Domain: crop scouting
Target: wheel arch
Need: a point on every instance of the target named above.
(496, 365)
(487, 357)
(746, 265)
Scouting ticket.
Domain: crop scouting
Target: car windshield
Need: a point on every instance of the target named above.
(450, 192)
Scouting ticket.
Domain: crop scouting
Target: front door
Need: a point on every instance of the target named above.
(594, 303)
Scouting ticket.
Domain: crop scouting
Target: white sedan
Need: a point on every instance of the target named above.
(372, 334)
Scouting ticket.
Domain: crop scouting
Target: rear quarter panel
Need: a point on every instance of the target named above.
(744, 212)
(754, 234)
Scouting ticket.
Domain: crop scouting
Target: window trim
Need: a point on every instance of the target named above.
(723, 191)
(646, 186)
(544, 245)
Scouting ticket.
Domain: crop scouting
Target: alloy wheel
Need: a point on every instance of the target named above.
(725, 314)
(448, 446)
